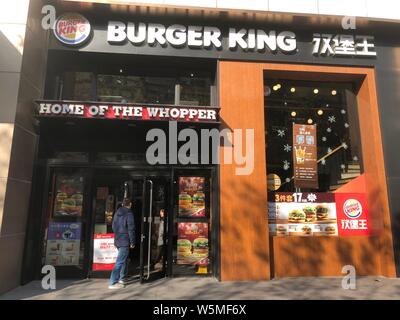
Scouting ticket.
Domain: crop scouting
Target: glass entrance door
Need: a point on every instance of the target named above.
(153, 239)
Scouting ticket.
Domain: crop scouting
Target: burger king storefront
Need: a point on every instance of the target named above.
(131, 106)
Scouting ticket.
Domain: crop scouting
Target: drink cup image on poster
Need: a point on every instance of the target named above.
(305, 156)
(192, 243)
(63, 244)
(192, 197)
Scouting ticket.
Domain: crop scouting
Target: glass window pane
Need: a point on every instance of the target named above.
(131, 89)
(64, 245)
(195, 91)
(331, 107)
(192, 250)
(78, 86)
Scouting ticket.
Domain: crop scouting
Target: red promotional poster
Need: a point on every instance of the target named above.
(192, 198)
(352, 214)
(104, 252)
(192, 243)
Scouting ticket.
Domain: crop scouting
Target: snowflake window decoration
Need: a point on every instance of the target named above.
(355, 158)
(343, 111)
(332, 119)
(342, 166)
(286, 165)
(346, 125)
(345, 146)
(324, 139)
(329, 150)
(323, 162)
(281, 133)
(287, 148)
(329, 130)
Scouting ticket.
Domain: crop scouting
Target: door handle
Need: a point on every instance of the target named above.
(150, 218)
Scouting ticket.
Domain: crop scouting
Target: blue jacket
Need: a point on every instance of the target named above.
(123, 226)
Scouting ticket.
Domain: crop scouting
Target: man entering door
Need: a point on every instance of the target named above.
(123, 226)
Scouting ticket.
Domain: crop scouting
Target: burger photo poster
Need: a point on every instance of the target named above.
(312, 215)
(69, 196)
(192, 197)
(192, 244)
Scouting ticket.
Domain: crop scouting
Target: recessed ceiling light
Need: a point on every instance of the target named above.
(334, 92)
(309, 121)
(320, 112)
(293, 114)
(316, 91)
(293, 89)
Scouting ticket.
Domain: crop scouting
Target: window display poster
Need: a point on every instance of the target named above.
(69, 196)
(191, 197)
(302, 214)
(104, 252)
(317, 214)
(63, 244)
(192, 244)
(305, 156)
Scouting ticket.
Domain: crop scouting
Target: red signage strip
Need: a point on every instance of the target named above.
(127, 111)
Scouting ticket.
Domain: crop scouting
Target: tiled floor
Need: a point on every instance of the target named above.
(192, 288)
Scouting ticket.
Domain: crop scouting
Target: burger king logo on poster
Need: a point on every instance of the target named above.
(72, 29)
(352, 208)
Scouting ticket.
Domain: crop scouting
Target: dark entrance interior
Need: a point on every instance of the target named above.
(149, 192)
(106, 154)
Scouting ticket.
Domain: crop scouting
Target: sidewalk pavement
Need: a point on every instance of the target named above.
(376, 288)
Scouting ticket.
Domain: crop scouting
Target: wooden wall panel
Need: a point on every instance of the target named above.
(243, 198)
(244, 229)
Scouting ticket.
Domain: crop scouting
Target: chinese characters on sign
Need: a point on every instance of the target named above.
(63, 243)
(104, 252)
(343, 45)
(305, 156)
(318, 214)
(352, 213)
(302, 214)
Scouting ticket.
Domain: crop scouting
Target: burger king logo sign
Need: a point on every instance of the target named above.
(72, 29)
(352, 208)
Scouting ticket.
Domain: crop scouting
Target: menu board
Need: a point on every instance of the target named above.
(192, 243)
(69, 196)
(191, 197)
(63, 244)
(302, 214)
(104, 252)
(318, 214)
(305, 156)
